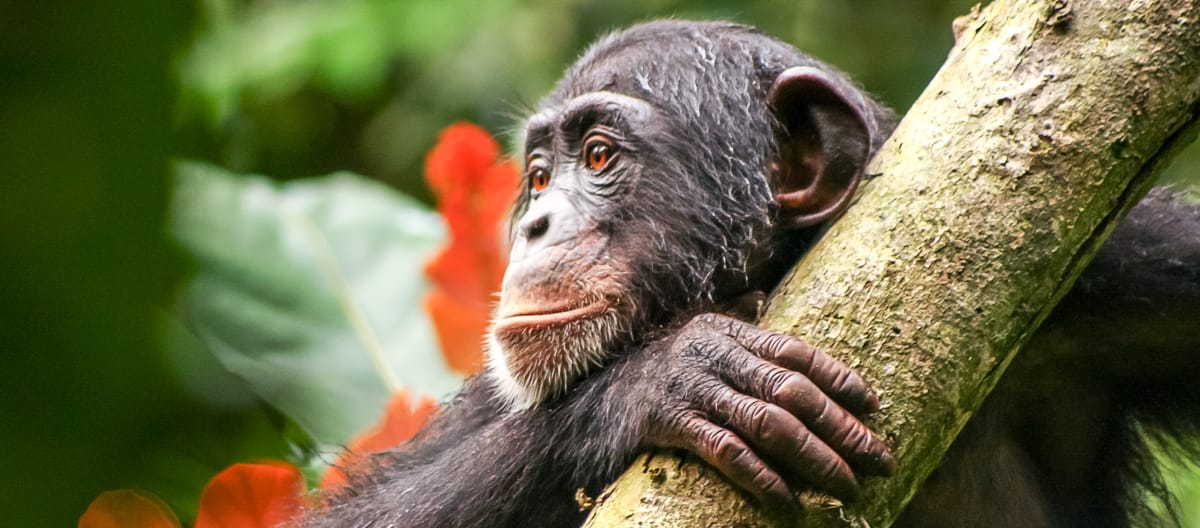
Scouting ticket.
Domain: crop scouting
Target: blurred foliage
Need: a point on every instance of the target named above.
(305, 293)
(86, 105)
(298, 88)
(102, 389)
(1181, 475)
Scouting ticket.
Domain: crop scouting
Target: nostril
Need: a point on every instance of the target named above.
(537, 227)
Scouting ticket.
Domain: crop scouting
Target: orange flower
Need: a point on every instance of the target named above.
(474, 190)
(128, 509)
(265, 495)
(399, 423)
(252, 496)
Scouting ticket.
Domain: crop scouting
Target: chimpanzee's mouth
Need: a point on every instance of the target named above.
(535, 316)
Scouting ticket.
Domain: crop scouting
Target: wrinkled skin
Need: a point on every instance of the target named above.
(779, 399)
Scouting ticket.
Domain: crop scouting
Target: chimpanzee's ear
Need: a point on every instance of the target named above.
(823, 149)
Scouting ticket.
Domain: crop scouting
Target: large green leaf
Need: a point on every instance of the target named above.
(310, 291)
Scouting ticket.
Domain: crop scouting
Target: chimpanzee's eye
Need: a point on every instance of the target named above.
(539, 179)
(537, 169)
(598, 151)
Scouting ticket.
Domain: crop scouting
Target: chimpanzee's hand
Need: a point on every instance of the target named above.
(739, 396)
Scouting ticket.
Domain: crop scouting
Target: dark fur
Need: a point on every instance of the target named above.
(713, 238)
(1063, 439)
(714, 213)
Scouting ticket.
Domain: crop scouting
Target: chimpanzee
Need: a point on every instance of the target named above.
(679, 168)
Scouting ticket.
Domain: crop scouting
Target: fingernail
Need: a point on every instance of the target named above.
(872, 402)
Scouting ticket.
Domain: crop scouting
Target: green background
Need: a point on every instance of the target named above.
(95, 97)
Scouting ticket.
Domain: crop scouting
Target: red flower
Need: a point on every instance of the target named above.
(474, 190)
(128, 509)
(399, 423)
(265, 495)
(252, 496)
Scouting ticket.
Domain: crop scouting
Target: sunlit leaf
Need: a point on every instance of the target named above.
(400, 421)
(252, 496)
(474, 189)
(310, 292)
(128, 509)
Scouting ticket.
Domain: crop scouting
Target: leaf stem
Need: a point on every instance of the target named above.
(327, 262)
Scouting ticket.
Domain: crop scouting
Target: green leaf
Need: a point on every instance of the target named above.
(310, 291)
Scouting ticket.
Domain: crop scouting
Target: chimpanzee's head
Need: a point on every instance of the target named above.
(670, 169)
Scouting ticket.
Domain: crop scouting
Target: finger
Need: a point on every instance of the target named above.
(731, 456)
(777, 434)
(832, 423)
(832, 376)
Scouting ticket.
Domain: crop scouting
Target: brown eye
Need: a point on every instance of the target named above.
(539, 178)
(598, 151)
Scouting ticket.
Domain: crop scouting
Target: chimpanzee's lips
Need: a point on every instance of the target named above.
(534, 316)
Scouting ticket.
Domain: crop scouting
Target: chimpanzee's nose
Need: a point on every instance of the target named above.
(534, 228)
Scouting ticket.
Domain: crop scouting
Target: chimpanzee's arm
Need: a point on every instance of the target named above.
(473, 465)
(734, 394)
(1135, 311)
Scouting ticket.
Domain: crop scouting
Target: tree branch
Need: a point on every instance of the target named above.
(1046, 124)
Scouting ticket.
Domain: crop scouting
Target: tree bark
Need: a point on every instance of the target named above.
(1048, 121)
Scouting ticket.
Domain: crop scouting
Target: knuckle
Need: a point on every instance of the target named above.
(865, 441)
(724, 445)
(823, 414)
(704, 319)
(673, 416)
(727, 361)
(729, 325)
(803, 441)
(700, 390)
(735, 328)
(860, 442)
(847, 438)
(691, 348)
(687, 423)
(794, 347)
(831, 470)
(765, 479)
(841, 378)
(757, 341)
(759, 417)
(801, 355)
(765, 344)
(686, 340)
(671, 428)
(700, 345)
(772, 343)
(778, 384)
(797, 393)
